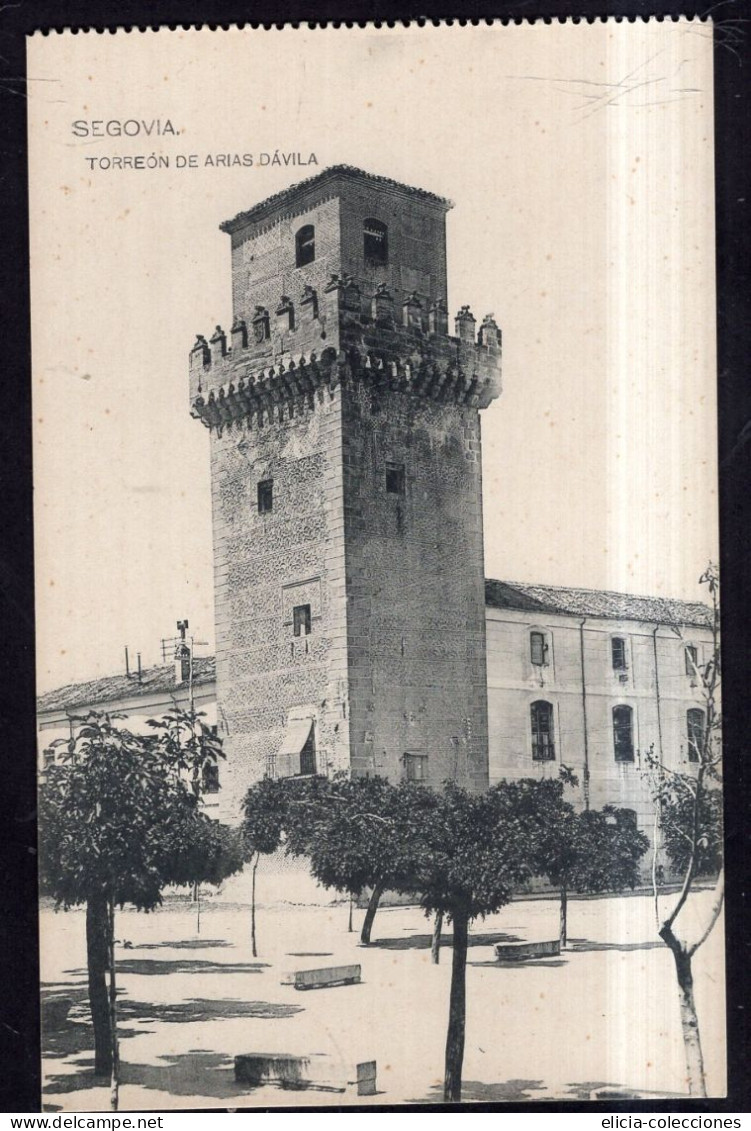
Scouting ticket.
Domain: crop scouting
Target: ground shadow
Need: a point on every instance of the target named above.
(423, 942)
(150, 966)
(586, 1089)
(188, 1074)
(134, 1018)
(580, 945)
(201, 1009)
(309, 953)
(474, 1091)
(517, 964)
(181, 944)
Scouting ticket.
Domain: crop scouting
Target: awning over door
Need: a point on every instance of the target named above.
(296, 735)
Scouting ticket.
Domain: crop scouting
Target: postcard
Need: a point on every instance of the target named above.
(374, 392)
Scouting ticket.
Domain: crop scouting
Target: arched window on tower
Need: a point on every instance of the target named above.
(375, 243)
(623, 733)
(543, 737)
(305, 245)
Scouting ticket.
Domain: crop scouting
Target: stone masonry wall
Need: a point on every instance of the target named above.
(262, 669)
(414, 562)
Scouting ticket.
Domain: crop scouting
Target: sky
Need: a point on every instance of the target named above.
(580, 161)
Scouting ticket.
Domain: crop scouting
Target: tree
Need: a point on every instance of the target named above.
(688, 810)
(358, 833)
(592, 851)
(265, 809)
(116, 825)
(189, 746)
(471, 852)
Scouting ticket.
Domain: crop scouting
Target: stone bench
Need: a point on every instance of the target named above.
(325, 976)
(298, 1073)
(522, 951)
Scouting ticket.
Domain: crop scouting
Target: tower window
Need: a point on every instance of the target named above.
(543, 738)
(308, 754)
(305, 245)
(375, 242)
(395, 478)
(416, 767)
(538, 648)
(301, 620)
(691, 656)
(265, 496)
(623, 734)
(695, 730)
(618, 654)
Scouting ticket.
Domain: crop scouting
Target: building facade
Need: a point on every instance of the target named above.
(589, 680)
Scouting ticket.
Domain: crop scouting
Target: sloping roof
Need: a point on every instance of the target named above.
(349, 172)
(110, 687)
(595, 603)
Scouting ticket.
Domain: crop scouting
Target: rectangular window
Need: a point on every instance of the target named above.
(618, 652)
(271, 765)
(416, 767)
(301, 620)
(537, 648)
(49, 759)
(265, 496)
(695, 730)
(623, 734)
(210, 778)
(692, 659)
(395, 478)
(543, 743)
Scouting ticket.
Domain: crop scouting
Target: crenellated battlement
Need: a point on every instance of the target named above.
(297, 349)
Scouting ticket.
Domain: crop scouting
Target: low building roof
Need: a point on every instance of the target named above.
(154, 681)
(595, 603)
(543, 599)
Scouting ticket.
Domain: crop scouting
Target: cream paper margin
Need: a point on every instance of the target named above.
(580, 160)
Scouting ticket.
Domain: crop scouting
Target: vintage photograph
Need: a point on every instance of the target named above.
(379, 714)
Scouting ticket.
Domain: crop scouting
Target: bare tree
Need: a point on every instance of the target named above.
(688, 814)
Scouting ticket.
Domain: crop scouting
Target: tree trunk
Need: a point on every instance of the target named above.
(350, 928)
(97, 960)
(115, 1054)
(564, 916)
(697, 1085)
(367, 926)
(435, 948)
(452, 1087)
(253, 907)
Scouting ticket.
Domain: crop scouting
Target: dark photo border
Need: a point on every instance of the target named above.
(19, 1008)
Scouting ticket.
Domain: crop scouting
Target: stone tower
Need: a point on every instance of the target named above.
(346, 490)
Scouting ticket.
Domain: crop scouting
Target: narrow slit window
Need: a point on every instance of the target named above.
(543, 737)
(301, 620)
(618, 653)
(265, 496)
(695, 731)
(623, 734)
(375, 242)
(305, 245)
(395, 478)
